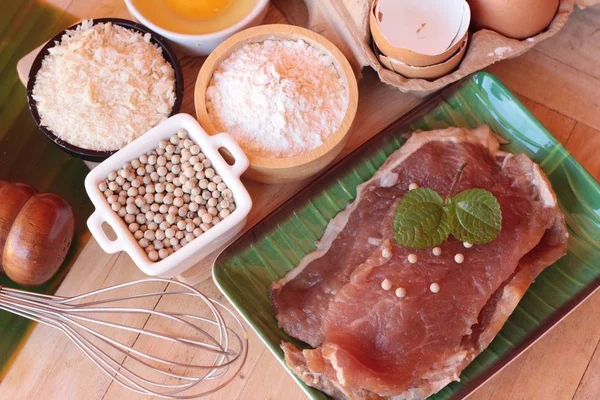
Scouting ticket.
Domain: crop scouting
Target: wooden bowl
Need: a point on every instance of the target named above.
(281, 170)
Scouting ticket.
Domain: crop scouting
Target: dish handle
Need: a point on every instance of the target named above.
(94, 224)
(240, 161)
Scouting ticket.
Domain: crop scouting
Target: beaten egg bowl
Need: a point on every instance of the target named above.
(199, 44)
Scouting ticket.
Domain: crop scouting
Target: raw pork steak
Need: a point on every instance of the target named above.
(370, 344)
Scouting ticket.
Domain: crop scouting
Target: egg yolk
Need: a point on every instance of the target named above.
(198, 9)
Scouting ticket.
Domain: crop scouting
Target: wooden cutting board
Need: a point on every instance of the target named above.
(558, 81)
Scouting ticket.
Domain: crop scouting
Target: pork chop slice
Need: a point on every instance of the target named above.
(437, 160)
(375, 345)
(322, 375)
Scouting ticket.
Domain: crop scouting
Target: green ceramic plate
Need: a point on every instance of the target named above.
(274, 246)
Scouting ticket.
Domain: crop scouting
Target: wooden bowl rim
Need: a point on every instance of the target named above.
(281, 32)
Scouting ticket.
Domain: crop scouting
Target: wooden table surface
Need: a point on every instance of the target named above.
(560, 83)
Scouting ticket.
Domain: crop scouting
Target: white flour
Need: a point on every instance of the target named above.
(277, 98)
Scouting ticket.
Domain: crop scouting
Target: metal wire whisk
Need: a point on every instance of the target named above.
(85, 320)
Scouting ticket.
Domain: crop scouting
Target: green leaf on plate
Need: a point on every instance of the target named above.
(474, 216)
(420, 220)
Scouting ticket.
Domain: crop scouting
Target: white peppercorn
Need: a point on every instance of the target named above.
(154, 207)
(224, 213)
(152, 226)
(170, 219)
(205, 227)
(163, 226)
(149, 234)
(212, 202)
(129, 218)
(206, 218)
(153, 255)
(179, 235)
(140, 219)
(189, 227)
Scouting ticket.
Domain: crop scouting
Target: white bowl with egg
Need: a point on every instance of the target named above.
(204, 43)
(192, 253)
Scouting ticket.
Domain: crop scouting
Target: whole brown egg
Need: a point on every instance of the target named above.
(518, 19)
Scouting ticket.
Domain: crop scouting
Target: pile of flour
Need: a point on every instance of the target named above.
(277, 98)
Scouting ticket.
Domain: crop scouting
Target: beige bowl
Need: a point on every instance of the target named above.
(281, 170)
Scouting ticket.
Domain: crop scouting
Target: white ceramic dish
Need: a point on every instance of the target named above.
(202, 45)
(203, 245)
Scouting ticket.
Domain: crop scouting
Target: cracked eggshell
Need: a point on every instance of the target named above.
(419, 32)
(427, 72)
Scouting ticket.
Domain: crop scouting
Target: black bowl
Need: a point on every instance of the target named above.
(95, 155)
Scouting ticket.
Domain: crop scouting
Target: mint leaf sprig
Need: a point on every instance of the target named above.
(423, 219)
